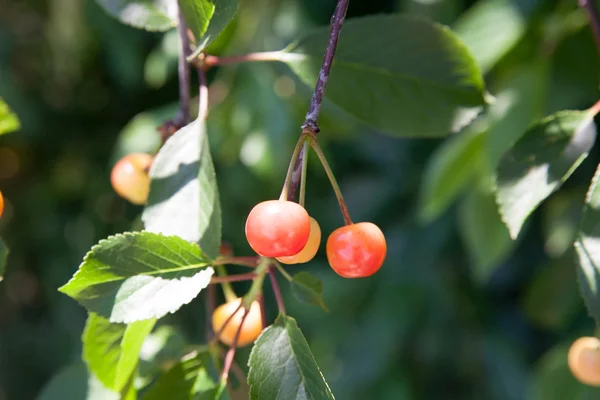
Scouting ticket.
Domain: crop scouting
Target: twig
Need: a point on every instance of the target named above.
(276, 290)
(184, 72)
(250, 261)
(231, 352)
(232, 278)
(337, 21)
(594, 16)
(202, 95)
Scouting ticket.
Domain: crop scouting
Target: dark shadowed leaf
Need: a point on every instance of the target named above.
(540, 162)
(308, 289)
(396, 72)
(3, 258)
(184, 198)
(151, 15)
(282, 366)
(74, 382)
(141, 275)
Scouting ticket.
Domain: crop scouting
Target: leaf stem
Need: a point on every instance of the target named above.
(225, 285)
(283, 271)
(183, 71)
(276, 290)
(331, 176)
(210, 308)
(202, 95)
(211, 61)
(594, 16)
(337, 21)
(291, 168)
(256, 288)
(232, 278)
(250, 262)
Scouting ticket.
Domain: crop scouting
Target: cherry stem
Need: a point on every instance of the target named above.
(263, 314)
(211, 61)
(594, 16)
(304, 163)
(202, 95)
(232, 278)
(183, 71)
(210, 308)
(334, 184)
(283, 271)
(256, 288)
(231, 352)
(250, 262)
(276, 290)
(225, 285)
(291, 167)
(222, 328)
(337, 21)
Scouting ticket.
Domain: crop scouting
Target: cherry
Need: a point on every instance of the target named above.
(277, 228)
(129, 177)
(309, 250)
(356, 250)
(1, 204)
(251, 328)
(584, 360)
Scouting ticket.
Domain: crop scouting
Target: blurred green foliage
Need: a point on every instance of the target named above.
(442, 319)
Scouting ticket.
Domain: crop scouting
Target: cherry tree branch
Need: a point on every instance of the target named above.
(232, 278)
(183, 72)
(594, 16)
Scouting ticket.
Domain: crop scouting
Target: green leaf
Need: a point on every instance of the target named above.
(3, 258)
(151, 15)
(184, 197)
(9, 122)
(485, 235)
(308, 289)
(188, 379)
(141, 275)
(111, 351)
(282, 366)
(404, 76)
(540, 162)
(207, 19)
(74, 382)
(490, 29)
(452, 167)
(588, 250)
(162, 347)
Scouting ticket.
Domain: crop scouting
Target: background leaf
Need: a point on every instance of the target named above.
(184, 198)
(282, 366)
(394, 72)
(74, 382)
(308, 289)
(540, 162)
(9, 122)
(140, 275)
(3, 258)
(151, 15)
(111, 351)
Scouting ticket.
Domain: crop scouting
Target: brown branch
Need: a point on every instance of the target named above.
(232, 278)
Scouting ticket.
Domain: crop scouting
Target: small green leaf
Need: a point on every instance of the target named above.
(74, 382)
(141, 275)
(404, 76)
(540, 162)
(282, 366)
(3, 258)
(184, 197)
(111, 351)
(308, 289)
(188, 379)
(207, 19)
(588, 250)
(151, 15)
(9, 122)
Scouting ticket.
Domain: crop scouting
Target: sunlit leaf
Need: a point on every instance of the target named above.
(151, 15)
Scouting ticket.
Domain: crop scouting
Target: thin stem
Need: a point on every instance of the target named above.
(296, 176)
(594, 16)
(276, 290)
(231, 352)
(225, 285)
(337, 21)
(183, 71)
(304, 161)
(211, 61)
(210, 307)
(283, 271)
(251, 262)
(222, 328)
(232, 278)
(334, 184)
(256, 288)
(291, 167)
(202, 95)
(263, 314)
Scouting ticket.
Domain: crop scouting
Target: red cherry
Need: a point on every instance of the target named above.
(277, 228)
(1, 204)
(357, 250)
(129, 177)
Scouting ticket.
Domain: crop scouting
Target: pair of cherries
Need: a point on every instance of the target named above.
(284, 230)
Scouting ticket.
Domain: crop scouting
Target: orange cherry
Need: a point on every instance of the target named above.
(250, 330)
(1, 204)
(584, 360)
(356, 250)
(129, 177)
(309, 250)
(277, 228)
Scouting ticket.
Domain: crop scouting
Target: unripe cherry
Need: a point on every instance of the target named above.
(1, 204)
(309, 250)
(277, 228)
(250, 330)
(584, 360)
(356, 250)
(129, 177)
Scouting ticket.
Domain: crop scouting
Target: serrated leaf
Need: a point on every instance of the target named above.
(75, 383)
(395, 72)
(308, 289)
(9, 122)
(3, 258)
(151, 15)
(540, 162)
(207, 19)
(588, 250)
(140, 275)
(282, 366)
(184, 197)
(188, 379)
(111, 351)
